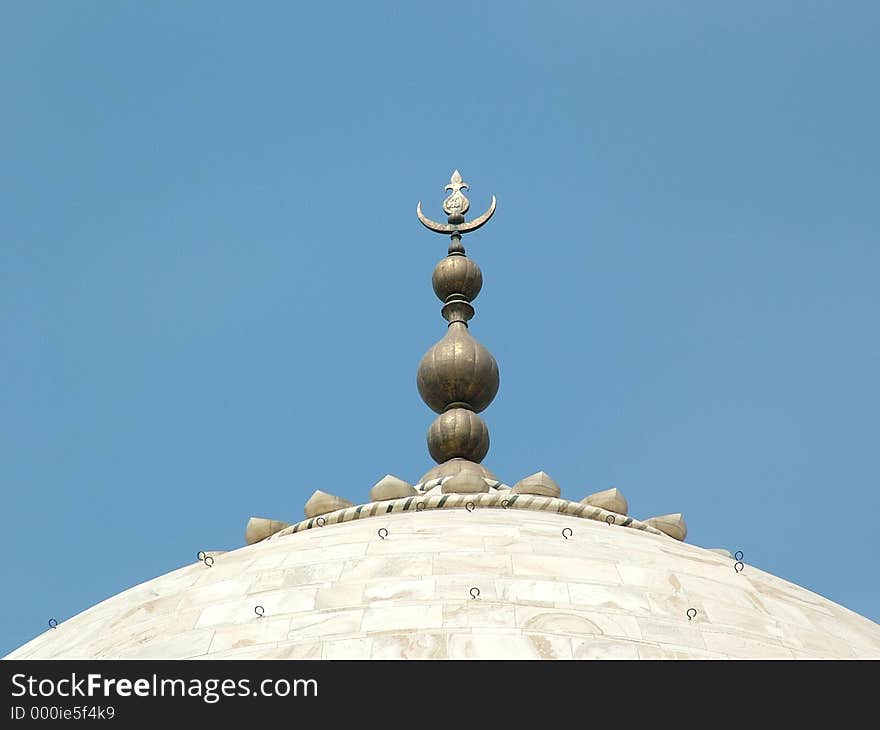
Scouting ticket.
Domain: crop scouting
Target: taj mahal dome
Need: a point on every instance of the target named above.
(460, 565)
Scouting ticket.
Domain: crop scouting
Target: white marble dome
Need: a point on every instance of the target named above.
(341, 591)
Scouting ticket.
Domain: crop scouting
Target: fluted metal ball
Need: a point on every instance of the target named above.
(457, 275)
(458, 433)
(458, 370)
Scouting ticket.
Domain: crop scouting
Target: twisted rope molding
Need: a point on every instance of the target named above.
(531, 502)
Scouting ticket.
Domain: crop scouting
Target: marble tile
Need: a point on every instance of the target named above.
(263, 631)
(547, 646)
(733, 617)
(309, 556)
(663, 631)
(209, 593)
(662, 581)
(699, 587)
(419, 645)
(566, 568)
(420, 616)
(296, 650)
(348, 649)
(381, 567)
(670, 651)
(737, 646)
(115, 637)
(312, 624)
(577, 623)
(602, 648)
(532, 591)
(274, 603)
(786, 611)
(455, 589)
(394, 545)
(471, 563)
(850, 630)
(340, 595)
(676, 606)
(614, 598)
(819, 644)
(508, 646)
(300, 575)
(479, 614)
(272, 558)
(180, 646)
(508, 545)
(399, 589)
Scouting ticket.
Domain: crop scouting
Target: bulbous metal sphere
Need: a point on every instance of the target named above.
(458, 433)
(457, 274)
(458, 370)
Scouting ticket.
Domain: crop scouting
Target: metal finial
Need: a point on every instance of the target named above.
(455, 206)
(458, 377)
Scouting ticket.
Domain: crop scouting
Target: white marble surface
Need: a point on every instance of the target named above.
(343, 592)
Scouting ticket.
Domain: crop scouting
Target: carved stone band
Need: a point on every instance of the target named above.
(502, 500)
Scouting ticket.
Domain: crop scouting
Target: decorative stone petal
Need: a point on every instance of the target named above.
(465, 483)
(610, 499)
(259, 528)
(455, 466)
(391, 487)
(673, 525)
(721, 551)
(538, 483)
(320, 503)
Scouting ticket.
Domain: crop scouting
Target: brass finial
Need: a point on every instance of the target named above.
(457, 377)
(455, 206)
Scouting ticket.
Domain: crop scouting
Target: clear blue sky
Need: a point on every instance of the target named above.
(215, 291)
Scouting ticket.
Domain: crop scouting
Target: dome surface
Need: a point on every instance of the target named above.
(344, 591)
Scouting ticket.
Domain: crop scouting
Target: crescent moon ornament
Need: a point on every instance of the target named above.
(455, 206)
(456, 227)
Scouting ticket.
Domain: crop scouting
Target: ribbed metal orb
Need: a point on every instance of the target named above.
(457, 275)
(457, 370)
(458, 433)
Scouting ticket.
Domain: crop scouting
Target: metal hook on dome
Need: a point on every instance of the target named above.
(420, 506)
(739, 566)
(610, 520)
(260, 611)
(505, 503)
(207, 558)
(53, 623)
(691, 615)
(738, 555)
(470, 506)
(320, 522)
(474, 595)
(568, 530)
(201, 555)
(383, 533)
